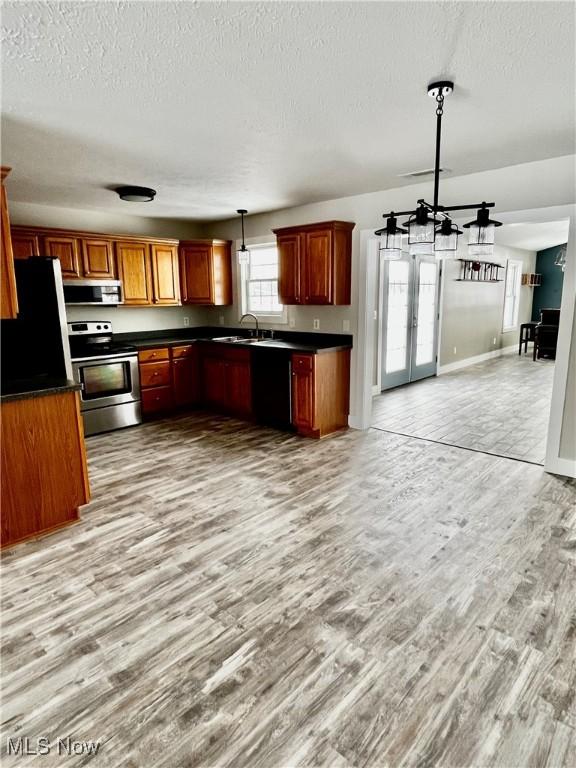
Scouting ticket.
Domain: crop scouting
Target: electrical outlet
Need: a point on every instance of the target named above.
(454, 350)
(221, 319)
(345, 325)
(186, 322)
(316, 324)
(494, 340)
(292, 322)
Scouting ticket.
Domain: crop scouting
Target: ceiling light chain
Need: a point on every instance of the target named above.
(430, 229)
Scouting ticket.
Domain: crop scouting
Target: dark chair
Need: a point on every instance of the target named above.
(546, 334)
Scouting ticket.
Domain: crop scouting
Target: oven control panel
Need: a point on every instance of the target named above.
(78, 329)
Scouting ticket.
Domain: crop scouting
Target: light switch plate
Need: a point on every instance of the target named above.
(221, 319)
(345, 325)
(316, 324)
(186, 321)
(292, 322)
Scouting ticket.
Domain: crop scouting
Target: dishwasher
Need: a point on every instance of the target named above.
(272, 387)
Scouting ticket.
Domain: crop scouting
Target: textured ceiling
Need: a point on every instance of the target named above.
(268, 105)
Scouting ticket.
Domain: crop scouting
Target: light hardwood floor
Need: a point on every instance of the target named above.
(236, 596)
(500, 406)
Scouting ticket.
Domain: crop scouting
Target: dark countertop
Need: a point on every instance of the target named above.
(38, 386)
(313, 343)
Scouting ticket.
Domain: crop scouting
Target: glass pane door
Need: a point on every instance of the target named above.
(398, 321)
(410, 326)
(425, 319)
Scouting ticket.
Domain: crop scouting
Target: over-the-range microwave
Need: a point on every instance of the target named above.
(93, 292)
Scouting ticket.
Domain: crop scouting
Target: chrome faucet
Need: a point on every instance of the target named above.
(249, 314)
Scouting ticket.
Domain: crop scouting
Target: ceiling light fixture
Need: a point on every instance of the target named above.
(430, 229)
(243, 252)
(136, 194)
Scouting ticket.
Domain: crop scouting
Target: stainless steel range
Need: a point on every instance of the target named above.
(108, 375)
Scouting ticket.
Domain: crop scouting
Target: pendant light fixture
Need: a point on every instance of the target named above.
(391, 239)
(243, 252)
(481, 236)
(446, 240)
(430, 229)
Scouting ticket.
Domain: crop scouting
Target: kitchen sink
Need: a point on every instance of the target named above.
(237, 340)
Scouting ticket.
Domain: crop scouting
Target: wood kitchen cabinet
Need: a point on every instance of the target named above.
(206, 272)
(147, 267)
(66, 250)
(165, 274)
(227, 379)
(8, 295)
(98, 259)
(169, 378)
(25, 243)
(315, 263)
(185, 375)
(134, 270)
(44, 470)
(320, 392)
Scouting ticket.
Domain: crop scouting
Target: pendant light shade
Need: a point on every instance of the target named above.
(421, 232)
(481, 235)
(560, 260)
(243, 253)
(446, 243)
(391, 239)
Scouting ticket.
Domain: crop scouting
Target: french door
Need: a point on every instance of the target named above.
(410, 320)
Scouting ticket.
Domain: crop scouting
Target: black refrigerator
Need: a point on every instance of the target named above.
(35, 344)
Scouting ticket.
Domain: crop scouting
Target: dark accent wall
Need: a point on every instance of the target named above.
(549, 294)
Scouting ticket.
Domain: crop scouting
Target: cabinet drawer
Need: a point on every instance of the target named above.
(157, 399)
(155, 374)
(150, 355)
(184, 351)
(303, 362)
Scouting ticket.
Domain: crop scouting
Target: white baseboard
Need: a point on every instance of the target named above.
(477, 359)
(558, 466)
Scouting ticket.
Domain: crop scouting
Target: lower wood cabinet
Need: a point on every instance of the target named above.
(44, 471)
(168, 378)
(227, 379)
(320, 392)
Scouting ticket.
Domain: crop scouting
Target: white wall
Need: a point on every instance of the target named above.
(472, 313)
(100, 221)
(543, 183)
(134, 319)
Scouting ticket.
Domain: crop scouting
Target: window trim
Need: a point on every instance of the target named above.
(278, 318)
(516, 313)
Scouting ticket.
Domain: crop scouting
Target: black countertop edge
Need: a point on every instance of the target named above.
(296, 341)
(23, 389)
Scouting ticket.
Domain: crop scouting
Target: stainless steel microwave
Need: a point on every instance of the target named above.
(93, 292)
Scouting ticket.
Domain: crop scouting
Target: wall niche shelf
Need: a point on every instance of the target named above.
(531, 279)
(475, 271)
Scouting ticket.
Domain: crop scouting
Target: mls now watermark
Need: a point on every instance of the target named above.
(24, 746)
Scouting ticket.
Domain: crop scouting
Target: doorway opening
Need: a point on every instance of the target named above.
(471, 363)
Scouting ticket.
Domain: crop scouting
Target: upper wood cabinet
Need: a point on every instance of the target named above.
(66, 250)
(8, 295)
(315, 263)
(134, 270)
(206, 272)
(25, 243)
(147, 267)
(98, 258)
(165, 280)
